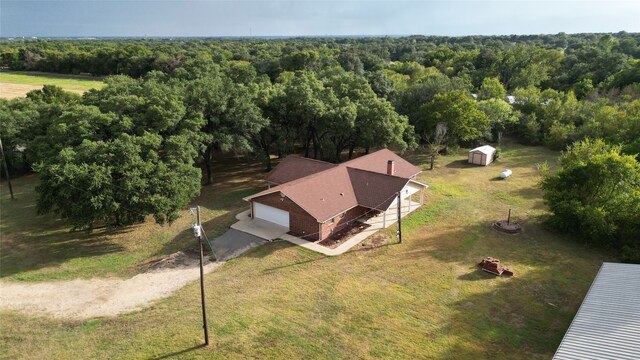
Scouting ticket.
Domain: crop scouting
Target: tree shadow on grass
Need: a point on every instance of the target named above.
(475, 274)
(25, 252)
(233, 180)
(179, 353)
(460, 164)
(529, 193)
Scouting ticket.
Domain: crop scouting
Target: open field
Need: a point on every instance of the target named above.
(15, 84)
(421, 299)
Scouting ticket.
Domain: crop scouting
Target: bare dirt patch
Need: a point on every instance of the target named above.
(84, 299)
(12, 91)
(186, 258)
(343, 235)
(374, 241)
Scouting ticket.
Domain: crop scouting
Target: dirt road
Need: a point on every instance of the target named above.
(84, 299)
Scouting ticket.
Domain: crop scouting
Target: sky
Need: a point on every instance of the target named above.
(103, 18)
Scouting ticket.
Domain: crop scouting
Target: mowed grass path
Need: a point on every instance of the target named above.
(17, 83)
(421, 299)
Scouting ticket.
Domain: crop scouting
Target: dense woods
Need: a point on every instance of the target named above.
(171, 105)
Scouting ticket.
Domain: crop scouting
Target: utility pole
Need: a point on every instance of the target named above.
(6, 170)
(197, 231)
(399, 218)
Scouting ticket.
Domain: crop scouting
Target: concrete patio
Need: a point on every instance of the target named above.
(258, 227)
(377, 223)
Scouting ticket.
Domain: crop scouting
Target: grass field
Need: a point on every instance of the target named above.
(16, 84)
(421, 299)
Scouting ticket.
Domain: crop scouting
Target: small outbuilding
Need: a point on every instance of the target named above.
(482, 155)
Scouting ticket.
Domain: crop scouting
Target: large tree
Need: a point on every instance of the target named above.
(127, 152)
(459, 112)
(491, 88)
(500, 115)
(596, 194)
(232, 118)
(17, 117)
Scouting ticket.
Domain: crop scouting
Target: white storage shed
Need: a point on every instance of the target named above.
(482, 155)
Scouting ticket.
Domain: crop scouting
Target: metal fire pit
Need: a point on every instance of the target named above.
(507, 227)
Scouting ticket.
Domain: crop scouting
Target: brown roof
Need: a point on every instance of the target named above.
(295, 167)
(327, 193)
(377, 162)
(375, 190)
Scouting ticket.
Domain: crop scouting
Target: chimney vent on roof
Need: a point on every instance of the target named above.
(391, 167)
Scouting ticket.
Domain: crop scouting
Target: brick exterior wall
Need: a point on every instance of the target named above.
(340, 223)
(300, 222)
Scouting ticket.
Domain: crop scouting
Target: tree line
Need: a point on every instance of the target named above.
(560, 61)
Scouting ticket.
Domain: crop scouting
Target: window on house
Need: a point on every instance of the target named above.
(342, 215)
(332, 220)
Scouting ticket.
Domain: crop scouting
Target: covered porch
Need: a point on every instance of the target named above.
(411, 198)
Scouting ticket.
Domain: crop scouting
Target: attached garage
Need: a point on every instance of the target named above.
(482, 155)
(271, 214)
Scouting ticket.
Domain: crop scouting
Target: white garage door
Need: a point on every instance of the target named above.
(271, 214)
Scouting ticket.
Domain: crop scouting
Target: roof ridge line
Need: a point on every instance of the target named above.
(365, 155)
(312, 159)
(378, 173)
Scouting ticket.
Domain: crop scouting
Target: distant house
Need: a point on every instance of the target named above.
(607, 325)
(482, 155)
(313, 198)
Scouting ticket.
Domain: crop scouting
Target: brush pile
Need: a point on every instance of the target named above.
(493, 266)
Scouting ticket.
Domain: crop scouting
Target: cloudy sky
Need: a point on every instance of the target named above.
(288, 18)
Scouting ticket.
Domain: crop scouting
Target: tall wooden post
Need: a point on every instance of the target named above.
(6, 170)
(204, 309)
(399, 219)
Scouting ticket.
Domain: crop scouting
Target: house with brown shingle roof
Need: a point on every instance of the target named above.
(313, 199)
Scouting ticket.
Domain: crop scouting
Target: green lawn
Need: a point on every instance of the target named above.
(421, 299)
(13, 82)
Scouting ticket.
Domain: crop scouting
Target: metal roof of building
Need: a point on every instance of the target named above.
(485, 149)
(607, 325)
